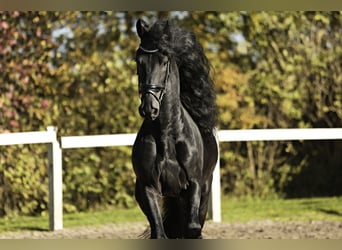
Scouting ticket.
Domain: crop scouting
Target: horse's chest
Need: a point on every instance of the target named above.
(173, 178)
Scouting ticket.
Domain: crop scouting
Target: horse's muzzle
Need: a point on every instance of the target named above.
(149, 107)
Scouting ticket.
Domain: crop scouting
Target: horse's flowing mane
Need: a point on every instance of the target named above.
(196, 86)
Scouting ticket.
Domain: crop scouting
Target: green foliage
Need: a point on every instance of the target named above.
(25, 101)
(96, 177)
(292, 64)
(76, 71)
(23, 181)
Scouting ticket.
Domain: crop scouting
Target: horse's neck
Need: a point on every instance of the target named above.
(171, 115)
(171, 110)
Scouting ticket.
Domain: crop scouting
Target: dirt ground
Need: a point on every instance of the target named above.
(211, 230)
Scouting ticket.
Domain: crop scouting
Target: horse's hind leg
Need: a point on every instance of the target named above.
(148, 199)
(206, 188)
(194, 228)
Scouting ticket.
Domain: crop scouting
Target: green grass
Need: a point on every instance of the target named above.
(233, 210)
(41, 223)
(307, 209)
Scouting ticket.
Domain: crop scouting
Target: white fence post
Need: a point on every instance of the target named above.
(55, 183)
(216, 193)
(214, 209)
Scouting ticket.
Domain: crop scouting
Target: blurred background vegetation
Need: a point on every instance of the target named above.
(76, 71)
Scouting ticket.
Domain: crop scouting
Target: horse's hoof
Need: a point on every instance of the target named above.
(159, 236)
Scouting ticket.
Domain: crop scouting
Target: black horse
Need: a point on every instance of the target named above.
(175, 151)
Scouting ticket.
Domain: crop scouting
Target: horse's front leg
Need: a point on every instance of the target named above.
(194, 229)
(148, 200)
(155, 218)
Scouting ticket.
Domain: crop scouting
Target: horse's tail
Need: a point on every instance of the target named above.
(173, 217)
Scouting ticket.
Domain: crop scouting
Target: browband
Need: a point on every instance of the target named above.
(147, 50)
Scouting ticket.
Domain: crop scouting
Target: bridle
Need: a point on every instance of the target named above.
(152, 88)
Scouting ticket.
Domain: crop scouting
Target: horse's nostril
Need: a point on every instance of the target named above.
(155, 111)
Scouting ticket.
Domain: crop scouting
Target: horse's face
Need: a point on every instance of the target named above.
(152, 69)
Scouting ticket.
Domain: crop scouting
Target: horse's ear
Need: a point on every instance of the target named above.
(141, 27)
(167, 27)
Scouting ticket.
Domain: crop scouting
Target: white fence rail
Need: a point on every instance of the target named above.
(280, 134)
(91, 141)
(27, 137)
(70, 142)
